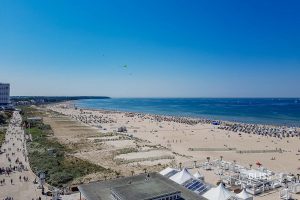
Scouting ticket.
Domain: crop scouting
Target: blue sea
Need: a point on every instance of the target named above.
(277, 111)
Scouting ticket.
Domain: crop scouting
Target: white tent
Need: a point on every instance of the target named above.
(168, 172)
(244, 195)
(197, 175)
(218, 193)
(182, 176)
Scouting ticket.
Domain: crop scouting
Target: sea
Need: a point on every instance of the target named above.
(269, 111)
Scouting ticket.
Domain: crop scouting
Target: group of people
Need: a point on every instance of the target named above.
(8, 198)
(13, 171)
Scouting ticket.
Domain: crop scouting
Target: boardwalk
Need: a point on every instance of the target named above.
(15, 170)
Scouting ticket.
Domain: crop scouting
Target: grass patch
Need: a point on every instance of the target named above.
(2, 137)
(125, 151)
(48, 155)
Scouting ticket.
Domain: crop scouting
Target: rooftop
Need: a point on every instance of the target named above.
(151, 188)
(136, 188)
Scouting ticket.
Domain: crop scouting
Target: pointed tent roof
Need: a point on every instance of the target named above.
(182, 176)
(198, 175)
(167, 170)
(244, 195)
(218, 193)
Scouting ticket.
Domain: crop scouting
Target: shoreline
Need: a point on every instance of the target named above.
(189, 117)
(195, 120)
(271, 112)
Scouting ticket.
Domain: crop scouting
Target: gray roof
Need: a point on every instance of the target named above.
(148, 190)
(135, 188)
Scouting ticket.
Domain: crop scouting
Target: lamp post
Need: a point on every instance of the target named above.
(208, 159)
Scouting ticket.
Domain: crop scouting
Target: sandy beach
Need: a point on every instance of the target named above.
(193, 142)
(132, 142)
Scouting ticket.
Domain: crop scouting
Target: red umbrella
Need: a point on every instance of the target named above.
(258, 163)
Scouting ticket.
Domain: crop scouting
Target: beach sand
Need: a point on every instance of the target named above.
(177, 139)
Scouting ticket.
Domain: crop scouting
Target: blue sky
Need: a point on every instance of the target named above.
(172, 48)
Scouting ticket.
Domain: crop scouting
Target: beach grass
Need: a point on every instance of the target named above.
(47, 155)
(2, 137)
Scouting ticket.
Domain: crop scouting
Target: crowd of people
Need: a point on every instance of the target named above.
(14, 164)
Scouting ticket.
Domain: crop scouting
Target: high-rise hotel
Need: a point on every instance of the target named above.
(4, 93)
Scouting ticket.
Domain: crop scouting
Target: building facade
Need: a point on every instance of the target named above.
(4, 93)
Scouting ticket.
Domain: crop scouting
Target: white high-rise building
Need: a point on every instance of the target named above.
(4, 93)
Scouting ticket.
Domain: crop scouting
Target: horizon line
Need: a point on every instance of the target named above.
(155, 97)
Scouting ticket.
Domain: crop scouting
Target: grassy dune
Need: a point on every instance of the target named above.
(48, 155)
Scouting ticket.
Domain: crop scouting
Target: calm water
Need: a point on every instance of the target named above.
(263, 111)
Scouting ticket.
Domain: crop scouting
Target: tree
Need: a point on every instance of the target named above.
(2, 118)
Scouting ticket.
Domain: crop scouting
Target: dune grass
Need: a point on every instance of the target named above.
(47, 155)
(2, 137)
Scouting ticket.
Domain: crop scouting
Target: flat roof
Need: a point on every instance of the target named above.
(149, 189)
(136, 188)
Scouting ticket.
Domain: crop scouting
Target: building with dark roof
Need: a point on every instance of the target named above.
(151, 186)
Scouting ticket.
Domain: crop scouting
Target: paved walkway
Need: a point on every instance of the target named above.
(16, 178)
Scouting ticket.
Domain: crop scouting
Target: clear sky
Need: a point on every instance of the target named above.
(172, 48)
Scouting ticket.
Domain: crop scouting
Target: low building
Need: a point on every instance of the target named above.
(151, 186)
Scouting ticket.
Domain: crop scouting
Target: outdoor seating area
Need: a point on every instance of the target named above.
(254, 181)
(235, 181)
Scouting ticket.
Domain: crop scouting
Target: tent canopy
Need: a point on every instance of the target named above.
(166, 171)
(182, 176)
(218, 193)
(198, 175)
(244, 195)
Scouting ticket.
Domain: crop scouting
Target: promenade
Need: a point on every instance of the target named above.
(16, 178)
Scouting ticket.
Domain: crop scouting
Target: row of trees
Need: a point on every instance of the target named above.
(4, 117)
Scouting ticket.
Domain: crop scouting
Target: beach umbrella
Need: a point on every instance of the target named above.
(258, 163)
